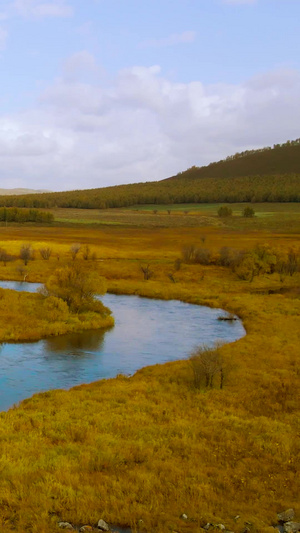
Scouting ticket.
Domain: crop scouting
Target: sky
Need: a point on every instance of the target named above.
(104, 92)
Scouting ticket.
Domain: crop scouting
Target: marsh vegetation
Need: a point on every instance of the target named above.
(154, 446)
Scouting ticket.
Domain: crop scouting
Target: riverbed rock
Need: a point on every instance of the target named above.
(103, 525)
(291, 527)
(86, 528)
(65, 525)
(286, 516)
(184, 516)
(221, 526)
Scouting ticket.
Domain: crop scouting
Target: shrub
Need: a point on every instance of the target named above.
(56, 309)
(76, 286)
(229, 257)
(248, 212)
(26, 253)
(202, 256)
(224, 211)
(206, 363)
(74, 249)
(45, 253)
(188, 253)
(5, 257)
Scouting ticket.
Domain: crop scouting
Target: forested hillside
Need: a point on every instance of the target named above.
(266, 175)
(281, 159)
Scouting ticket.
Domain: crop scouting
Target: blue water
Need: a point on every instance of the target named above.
(146, 332)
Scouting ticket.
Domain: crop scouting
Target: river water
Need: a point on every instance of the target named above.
(146, 332)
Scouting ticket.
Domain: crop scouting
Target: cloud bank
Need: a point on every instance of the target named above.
(139, 126)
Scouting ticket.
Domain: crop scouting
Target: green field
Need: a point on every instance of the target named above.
(268, 216)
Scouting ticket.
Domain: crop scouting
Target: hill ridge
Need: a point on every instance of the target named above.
(264, 175)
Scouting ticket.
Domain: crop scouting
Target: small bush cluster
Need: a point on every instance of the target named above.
(248, 212)
(224, 211)
(247, 264)
(195, 254)
(207, 364)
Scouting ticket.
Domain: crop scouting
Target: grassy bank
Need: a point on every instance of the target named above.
(152, 446)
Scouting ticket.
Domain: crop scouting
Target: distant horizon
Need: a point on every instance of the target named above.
(11, 192)
(139, 91)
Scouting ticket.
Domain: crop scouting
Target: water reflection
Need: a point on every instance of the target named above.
(76, 344)
(146, 332)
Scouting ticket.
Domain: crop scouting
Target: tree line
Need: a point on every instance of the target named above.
(246, 264)
(15, 214)
(277, 188)
(264, 175)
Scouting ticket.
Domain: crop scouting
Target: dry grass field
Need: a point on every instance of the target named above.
(153, 446)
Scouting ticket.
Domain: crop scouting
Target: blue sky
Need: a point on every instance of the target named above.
(103, 92)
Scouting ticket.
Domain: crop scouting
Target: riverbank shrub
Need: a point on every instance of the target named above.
(206, 364)
(77, 286)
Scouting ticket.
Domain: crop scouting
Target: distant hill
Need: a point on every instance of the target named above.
(281, 159)
(17, 192)
(264, 175)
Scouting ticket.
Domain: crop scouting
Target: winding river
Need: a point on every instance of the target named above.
(146, 332)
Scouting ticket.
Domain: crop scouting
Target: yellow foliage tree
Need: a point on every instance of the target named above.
(76, 286)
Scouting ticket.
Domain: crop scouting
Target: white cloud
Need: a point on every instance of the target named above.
(171, 40)
(40, 8)
(80, 65)
(140, 126)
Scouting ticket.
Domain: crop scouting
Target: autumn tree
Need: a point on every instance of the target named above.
(26, 253)
(74, 249)
(261, 260)
(207, 363)
(86, 252)
(5, 257)
(148, 273)
(77, 287)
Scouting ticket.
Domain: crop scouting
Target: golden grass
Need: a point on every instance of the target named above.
(152, 447)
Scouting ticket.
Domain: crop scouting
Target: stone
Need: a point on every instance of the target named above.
(291, 527)
(221, 526)
(207, 526)
(279, 527)
(184, 516)
(103, 525)
(286, 516)
(65, 525)
(86, 528)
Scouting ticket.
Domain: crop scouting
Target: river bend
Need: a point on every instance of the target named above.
(146, 332)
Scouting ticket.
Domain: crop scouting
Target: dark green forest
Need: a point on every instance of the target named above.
(264, 175)
(25, 215)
